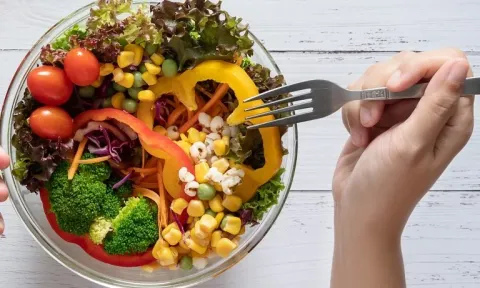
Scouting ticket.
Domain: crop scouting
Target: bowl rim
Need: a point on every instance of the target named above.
(18, 202)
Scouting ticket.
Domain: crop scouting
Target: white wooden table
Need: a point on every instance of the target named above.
(335, 40)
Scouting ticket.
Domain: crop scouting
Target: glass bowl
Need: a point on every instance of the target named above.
(29, 207)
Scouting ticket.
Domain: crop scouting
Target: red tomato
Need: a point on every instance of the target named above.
(49, 85)
(81, 66)
(51, 122)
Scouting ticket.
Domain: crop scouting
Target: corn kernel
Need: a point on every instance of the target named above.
(106, 69)
(218, 187)
(173, 237)
(216, 204)
(117, 100)
(165, 257)
(219, 218)
(231, 224)
(146, 95)
(153, 69)
(234, 165)
(185, 146)
(159, 246)
(242, 231)
(169, 227)
(207, 223)
(203, 136)
(193, 135)
(125, 59)
(182, 248)
(219, 147)
(221, 165)
(174, 252)
(195, 247)
(157, 59)
(97, 83)
(160, 129)
(127, 80)
(178, 205)
(184, 138)
(149, 78)
(118, 75)
(226, 140)
(201, 169)
(216, 236)
(138, 52)
(198, 232)
(190, 220)
(224, 247)
(173, 267)
(232, 203)
(197, 255)
(195, 208)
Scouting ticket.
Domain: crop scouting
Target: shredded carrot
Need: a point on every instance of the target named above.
(217, 97)
(94, 160)
(190, 114)
(143, 160)
(151, 163)
(172, 118)
(78, 155)
(150, 178)
(148, 185)
(204, 91)
(199, 100)
(152, 196)
(215, 111)
(142, 170)
(161, 190)
(117, 166)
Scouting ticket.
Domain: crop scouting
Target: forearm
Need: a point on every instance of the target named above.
(365, 260)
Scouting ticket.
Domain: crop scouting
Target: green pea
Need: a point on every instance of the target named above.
(206, 192)
(110, 91)
(169, 68)
(186, 263)
(130, 105)
(86, 92)
(138, 80)
(151, 48)
(119, 87)
(107, 103)
(224, 222)
(211, 213)
(133, 92)
(142, 68)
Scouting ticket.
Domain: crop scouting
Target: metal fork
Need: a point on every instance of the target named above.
(325, 98)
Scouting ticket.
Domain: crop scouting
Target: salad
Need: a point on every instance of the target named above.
(132, 131)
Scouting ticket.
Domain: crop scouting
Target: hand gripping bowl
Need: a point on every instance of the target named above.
(29, 207)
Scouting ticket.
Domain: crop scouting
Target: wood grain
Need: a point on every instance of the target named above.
(341, 25)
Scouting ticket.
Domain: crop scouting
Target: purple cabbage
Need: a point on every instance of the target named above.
(102, 92)
(246, 215)
(179, 224)
(121, 182)
(103, 144)
(161, 111)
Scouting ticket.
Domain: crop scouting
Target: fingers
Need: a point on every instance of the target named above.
(397, 113)
(4, 159)
(2, 224)
(351, 118)
(438, 104)
(3, 192)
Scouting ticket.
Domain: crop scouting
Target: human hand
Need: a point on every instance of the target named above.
(4, 162)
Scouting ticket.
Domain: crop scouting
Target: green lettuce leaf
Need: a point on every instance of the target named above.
(106, 13)
(139, 28)
(63, 42)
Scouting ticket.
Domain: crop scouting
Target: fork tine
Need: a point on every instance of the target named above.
(302, 96)
(281, 110)
(279, 91)
(285, 121)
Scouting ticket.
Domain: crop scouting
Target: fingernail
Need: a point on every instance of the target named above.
(2, 224)
(365, 116)
(395, 79)
(457, 73)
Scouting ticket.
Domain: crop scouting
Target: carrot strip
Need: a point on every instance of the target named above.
(148, 185)
(152, 196)
(217, 97)
(94, 160)
(143, 160)
(172, 118)
(151, 163)
(161, 190)
(199, 100)
(143, 170)
(204, 91)
(215, 111)
(190, 114)
(78, 155)
(150, 178)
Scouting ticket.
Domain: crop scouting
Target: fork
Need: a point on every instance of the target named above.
(326, 97)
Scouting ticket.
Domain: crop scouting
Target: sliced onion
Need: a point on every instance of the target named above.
(126, 129)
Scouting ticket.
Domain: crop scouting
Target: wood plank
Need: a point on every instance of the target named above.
(440, 246)
(342, 25)
(320, 141)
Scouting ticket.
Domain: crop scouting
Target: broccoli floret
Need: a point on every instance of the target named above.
(98, 171)
(99, 230)
(123, 191)
(111, 205)
(134, 229)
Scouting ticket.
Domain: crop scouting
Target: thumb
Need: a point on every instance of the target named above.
(437, 105)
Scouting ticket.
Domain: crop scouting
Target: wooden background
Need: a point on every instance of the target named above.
(334, 40)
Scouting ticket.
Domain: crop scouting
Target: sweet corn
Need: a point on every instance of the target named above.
(232, 203)
(193, 135)
(231, 224)
(190, 220)
(118, 75)
(127, 80)
(117, 100)
(157, 59)
(195, 208)
(195, 247)
(216, 236)
(168, 228)
(224, 247)
(178, 205)
(236, 240)
(201, 170)
(173, 267)
(226, 140)
(216, 204)
(185, 146)
(196, 255)
(158, 246)
(125, 59)
(219, 218)
(184, 138)
(203, 136)
(218, 187)
(221, 165)
(98, 82)
(219, 147)
(146, 95)
(138, 52)
(106, 69)
(174, 253)
(153, 69)
(160, 129)
(198, 233)
(173, 236)
(207, 223)
(166, 257)
(242, 231)
(149, 78)
(182, 251)
(182, 246)
(234, 165)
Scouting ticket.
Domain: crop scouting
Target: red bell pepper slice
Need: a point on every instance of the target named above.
(154, 143)
(96, 251)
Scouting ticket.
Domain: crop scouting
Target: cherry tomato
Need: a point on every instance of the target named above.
(81, 66)
(49, 85)
(51, 122)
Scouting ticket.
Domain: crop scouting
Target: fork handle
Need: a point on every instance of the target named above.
(471, 87)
